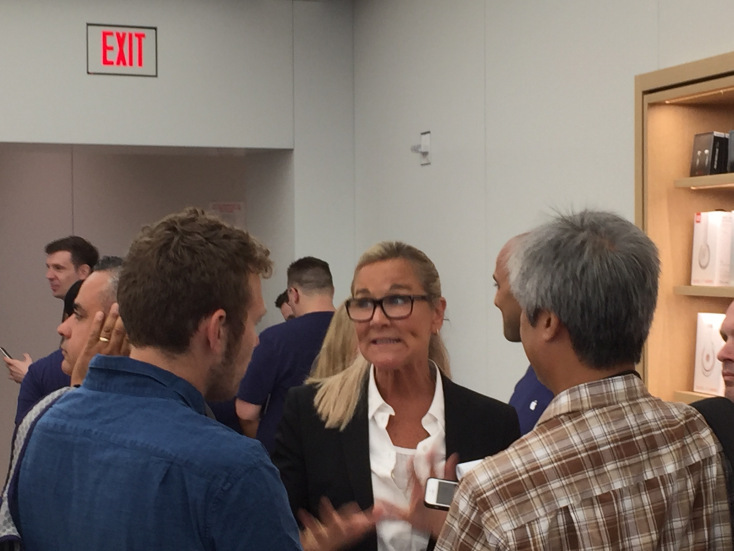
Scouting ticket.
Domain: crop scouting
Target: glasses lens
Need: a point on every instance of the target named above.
(360, 309)
(397, 306)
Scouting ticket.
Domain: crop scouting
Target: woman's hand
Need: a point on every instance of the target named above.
(418, 515)
(334, 529)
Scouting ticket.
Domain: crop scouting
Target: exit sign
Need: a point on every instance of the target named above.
(122, 50)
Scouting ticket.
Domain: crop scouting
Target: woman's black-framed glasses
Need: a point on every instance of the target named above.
(395, 307)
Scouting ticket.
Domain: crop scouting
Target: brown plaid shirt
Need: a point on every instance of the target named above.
(607, 467)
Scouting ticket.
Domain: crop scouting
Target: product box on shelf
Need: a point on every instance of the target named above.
(707, 376)
(710, 152)
(712, 248)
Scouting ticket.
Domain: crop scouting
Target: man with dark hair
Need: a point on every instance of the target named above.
(97, 294)
(281, 303)
(287, 350)
(54, 371)
(608, 466)
(132, 458)
(68, 260)
(530, 397)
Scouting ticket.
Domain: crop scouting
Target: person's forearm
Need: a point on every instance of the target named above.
(249, 427)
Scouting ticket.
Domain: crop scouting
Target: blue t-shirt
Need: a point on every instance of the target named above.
(225, 413)
(129, 461)
(282, 360)
(43, 377)
(530, 399)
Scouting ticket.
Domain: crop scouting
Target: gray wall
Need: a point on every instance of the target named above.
(225, 74)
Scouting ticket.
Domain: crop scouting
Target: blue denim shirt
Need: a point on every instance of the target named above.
(130, 461)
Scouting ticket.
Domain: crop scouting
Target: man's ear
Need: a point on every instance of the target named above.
(293, 295)
(215, 330)
(549, 324)
(83, 271)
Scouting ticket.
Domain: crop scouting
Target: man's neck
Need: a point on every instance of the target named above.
(316, 303)
(582, 374)
(181, 365)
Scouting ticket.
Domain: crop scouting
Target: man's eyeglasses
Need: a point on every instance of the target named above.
(395, 307)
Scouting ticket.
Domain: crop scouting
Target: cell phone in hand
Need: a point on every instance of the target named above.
(5, 353)
(439, 493)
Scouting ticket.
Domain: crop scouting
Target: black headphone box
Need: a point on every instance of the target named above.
(710, 153)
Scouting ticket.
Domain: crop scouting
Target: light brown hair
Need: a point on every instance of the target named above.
(181, 269)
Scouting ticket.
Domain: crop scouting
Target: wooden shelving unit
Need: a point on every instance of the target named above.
(671, 106)
(700, 291)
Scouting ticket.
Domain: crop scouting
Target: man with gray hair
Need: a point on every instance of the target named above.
(608, 466)
(530, 397)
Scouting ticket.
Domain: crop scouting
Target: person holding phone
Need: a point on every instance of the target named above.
(68, 261)
(358, 437)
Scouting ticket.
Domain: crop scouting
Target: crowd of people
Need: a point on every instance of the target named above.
(342, 413)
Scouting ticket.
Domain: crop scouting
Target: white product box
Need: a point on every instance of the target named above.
(707, 376)
(712, 243)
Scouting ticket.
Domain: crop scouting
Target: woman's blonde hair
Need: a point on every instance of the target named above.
(339, 348)
(337, 396)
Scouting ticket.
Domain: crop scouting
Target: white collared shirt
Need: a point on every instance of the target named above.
(392, 466)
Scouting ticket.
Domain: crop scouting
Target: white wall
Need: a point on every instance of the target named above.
(323, 153)
(419, 66)
(531, 106)
(270, 208)
(225, 74)
(560, 121)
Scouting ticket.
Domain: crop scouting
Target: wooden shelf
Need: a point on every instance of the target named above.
(704, 291)
(688, 397)
(714, 181)
(671, 107)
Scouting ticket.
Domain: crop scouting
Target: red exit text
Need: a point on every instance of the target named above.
(122, 49)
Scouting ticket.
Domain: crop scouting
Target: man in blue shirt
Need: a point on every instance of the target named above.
(130, 460)
(287, 350)
(530, 397)
(68, 261)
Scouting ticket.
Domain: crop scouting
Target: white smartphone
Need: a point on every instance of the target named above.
(5, 353)
(439, 493)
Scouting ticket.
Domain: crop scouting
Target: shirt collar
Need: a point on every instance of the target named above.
(381, 411)
(120, 373)
(604, 392)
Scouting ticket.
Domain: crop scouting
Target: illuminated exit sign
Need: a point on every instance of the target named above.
(122, 50)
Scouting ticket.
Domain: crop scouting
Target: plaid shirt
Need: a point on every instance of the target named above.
(607, 467)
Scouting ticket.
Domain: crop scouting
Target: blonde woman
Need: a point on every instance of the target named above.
(339, 349)
(357, 437)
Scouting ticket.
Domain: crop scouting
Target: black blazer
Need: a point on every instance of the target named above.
(719, 414)
(315, 461)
